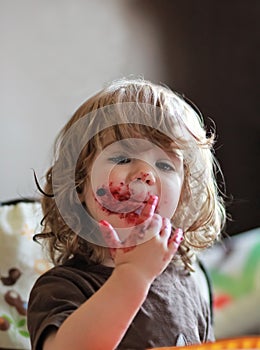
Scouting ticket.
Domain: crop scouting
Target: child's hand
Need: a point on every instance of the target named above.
(146, 256)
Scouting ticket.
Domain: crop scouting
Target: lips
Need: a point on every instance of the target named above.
(138, 190)
(123, 198)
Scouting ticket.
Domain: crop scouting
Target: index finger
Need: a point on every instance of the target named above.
(109, 234)
(148, 209)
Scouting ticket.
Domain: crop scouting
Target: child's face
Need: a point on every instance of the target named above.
(124, 175)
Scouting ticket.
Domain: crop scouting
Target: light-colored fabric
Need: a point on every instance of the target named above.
(21, 263)
(234, 267)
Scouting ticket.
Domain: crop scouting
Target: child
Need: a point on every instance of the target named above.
(133, 170)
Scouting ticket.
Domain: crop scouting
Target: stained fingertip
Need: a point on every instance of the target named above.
(105, 227)
(177, 237)
(104, 223)
(179, 231)
(153, 200)
(150, 206)
(109, 234)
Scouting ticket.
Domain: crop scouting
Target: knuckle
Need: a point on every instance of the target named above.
(157, 218)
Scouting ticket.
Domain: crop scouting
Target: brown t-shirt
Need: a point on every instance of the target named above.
(174, 312)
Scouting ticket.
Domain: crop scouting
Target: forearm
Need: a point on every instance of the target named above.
(102, 321)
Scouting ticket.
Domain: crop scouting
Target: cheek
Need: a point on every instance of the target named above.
(90, 202)
(107, 176)
(169, 200)
(116, 175)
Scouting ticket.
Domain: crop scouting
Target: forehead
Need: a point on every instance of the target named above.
(136, 145)
(129, 133)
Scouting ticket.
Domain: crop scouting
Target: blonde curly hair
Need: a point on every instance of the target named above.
(128, 108)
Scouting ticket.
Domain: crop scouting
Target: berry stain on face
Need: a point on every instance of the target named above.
(120, 192)
(126, 200)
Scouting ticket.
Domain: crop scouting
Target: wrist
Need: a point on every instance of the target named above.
(130, 275)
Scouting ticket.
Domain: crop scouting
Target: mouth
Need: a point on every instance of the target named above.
(125, 200)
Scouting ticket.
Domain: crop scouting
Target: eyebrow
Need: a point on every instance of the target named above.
(129, 147)
(177, 152)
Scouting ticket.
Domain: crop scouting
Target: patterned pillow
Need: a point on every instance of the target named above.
(21, 263)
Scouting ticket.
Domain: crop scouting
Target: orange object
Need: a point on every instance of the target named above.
(247, 342)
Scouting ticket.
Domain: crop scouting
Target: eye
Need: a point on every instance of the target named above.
(120, 160)
(165, 166)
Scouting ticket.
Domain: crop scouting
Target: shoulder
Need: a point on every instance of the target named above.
(76, 273)
(59, 292)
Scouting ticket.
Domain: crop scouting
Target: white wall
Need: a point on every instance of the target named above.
(54, 54)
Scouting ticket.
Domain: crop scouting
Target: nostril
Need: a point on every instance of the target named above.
(149, 179)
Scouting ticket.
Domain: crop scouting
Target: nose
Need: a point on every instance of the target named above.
(145, 173)
(147, 177)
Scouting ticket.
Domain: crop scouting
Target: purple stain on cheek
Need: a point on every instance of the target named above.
(101, 192)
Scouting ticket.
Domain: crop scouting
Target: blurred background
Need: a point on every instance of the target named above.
(55, 54)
